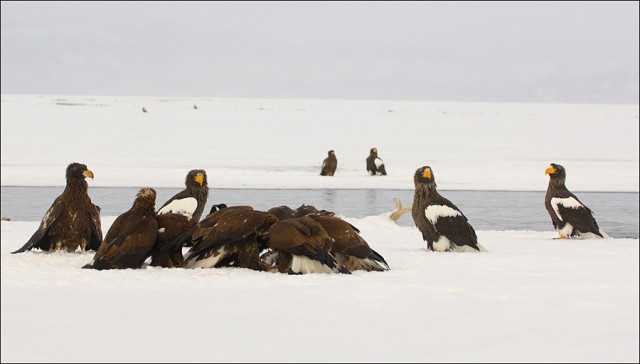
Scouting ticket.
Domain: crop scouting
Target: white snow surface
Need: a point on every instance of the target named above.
(281, 143)
(529, 299)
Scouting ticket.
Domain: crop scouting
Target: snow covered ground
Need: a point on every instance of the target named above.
(531, 298)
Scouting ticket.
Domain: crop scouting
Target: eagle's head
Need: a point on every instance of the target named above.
(78, 171)
(556, 171)
(424, 176)
(196, 178)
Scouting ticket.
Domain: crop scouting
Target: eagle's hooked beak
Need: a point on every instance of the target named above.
(550, 170)
(199, 178)
(426, 174)
(88, 173)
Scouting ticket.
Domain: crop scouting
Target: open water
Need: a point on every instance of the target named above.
(616, 213)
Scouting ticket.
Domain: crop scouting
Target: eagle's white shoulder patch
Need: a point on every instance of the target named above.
(433, 212)
(185, 206)
(568, 202)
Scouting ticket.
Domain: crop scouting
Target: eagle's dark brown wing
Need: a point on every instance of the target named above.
(127, 243)
(349, 247)
(40, 238)
(299, 238)
(580, 217)
(230, 227)
(457, 230)
(165, 253)
(95, 239)
(237, 236)
(213, 218)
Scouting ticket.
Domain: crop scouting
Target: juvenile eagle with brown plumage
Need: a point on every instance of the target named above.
(443, 226)
(72, 221)
(570, 217)
(180, 213)
(233, 236)
(131, 236)
(329, 164)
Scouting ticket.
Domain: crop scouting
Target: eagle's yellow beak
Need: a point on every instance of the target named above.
(426, 174)
(549, 170)
(199, 178)
(88, 173)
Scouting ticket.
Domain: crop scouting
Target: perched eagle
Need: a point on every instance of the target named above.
(72, 220)
(349, 248)
(329, 164)
(299, 246)
(179, 214)
(443, 226)
(131, 236)
(233, 236)
(570, 217)
(375, 165)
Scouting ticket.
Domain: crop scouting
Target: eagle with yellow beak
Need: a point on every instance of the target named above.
(570, 217)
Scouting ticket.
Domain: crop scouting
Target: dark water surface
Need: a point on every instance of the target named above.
(616, 212)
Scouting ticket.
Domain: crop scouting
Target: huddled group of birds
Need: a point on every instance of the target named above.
(282, 239)
(375, 165)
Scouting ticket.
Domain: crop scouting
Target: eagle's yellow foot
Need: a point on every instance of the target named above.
(561, 237)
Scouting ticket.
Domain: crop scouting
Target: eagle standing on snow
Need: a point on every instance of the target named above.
(443, 226)
(131, 236)
(329, 164)
(72, 220)
(569, 216)
(180, 213)
(375, 165)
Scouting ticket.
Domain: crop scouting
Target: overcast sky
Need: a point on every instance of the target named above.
(458, 51)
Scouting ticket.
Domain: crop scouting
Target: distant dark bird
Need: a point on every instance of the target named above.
(299, 246)
(144, 109)
(232, 236)
(443, 226)
(349, 248)
(131, 236)
(329, 164)
(570, 217)
(375, 165)
(72, 220)
(180, 213)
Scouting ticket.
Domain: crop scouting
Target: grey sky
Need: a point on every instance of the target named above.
(499, 51)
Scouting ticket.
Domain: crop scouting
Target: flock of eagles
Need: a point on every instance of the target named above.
(300, 241)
